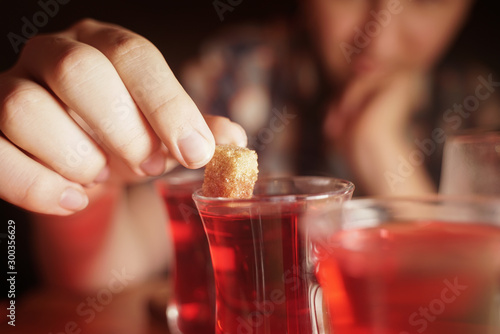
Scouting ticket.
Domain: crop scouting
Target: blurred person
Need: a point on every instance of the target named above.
(353, 90)
(89, 115)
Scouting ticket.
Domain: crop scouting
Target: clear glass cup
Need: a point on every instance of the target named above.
(192, 308)
(471, 164)
(264, 279)
(408, 266)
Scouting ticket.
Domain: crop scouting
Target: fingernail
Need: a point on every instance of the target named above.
(243, 140)
(73, 200)
(195, 149)
(103, 175)
(154, 165)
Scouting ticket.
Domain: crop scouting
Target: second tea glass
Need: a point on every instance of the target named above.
(471, 164)
(405, 266)
(192, 308)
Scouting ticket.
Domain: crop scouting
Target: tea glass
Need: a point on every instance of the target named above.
(192, 308)
(408, 266)
(264, 278)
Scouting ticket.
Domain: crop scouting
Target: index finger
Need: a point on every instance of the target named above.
(160, 97)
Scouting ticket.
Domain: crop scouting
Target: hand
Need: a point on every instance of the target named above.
(376, 105)
(91, 102)
(369, 128)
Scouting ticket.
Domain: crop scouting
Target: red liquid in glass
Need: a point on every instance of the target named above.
(411, 278)
(194, 294)
(261, 278)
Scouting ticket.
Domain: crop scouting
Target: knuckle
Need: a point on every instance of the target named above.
(75, 61)
(164, 104)
(124, 44)
(35, 190)
(135, 148)
(83, 23)
(81, 165)
(17, 101)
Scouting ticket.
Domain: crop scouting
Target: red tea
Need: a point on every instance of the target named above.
(411, 278)
(261, 276)
(194, 287)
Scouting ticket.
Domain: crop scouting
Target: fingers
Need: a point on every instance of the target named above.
(351, 103)
(169, 110)
(86, 82)
(35, 187)
(226, 132)
(78, 99)
(28, 119)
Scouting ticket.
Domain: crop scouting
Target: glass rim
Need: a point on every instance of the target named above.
(377, 211)
(485, 206)
(471, 135)
(427, 199)
(181, 177)
(348, 188)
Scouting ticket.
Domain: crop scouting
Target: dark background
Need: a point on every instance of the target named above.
(178, 27)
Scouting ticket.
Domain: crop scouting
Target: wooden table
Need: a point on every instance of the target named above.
(138, 310)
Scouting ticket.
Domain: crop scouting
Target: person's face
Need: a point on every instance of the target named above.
(359, 37)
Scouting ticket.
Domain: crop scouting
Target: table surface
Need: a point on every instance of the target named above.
(138, 310)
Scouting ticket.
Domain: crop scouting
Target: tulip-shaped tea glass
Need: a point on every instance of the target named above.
(471, 164)
(192, 308)
(408, 266)
(264, 280)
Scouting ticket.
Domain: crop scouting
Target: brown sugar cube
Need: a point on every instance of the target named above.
(231, 173)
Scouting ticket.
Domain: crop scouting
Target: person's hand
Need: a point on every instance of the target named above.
(369, 125)
(91, 102)
(374, 104)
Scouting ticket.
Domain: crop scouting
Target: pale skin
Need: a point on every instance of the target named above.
(132, 121)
